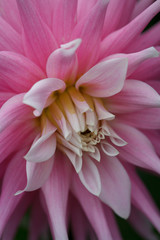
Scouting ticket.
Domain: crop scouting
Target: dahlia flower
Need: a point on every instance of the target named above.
(80, 110)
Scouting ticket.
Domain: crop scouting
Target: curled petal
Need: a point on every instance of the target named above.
(62, 63)
(37, 96)
(43, 148)
(104, 79)
(37, 174)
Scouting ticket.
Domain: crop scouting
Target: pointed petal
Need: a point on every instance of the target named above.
(39, 42)
(115, 193)
(113, 226)
(13, 180)
(139, 148)
(12, 138)
(55, 192)
(142, 225)
(15, 219)
(13, 110)
(79, 101)
(104, 79)
(45, 9)
(143, 201)
(148, 70)
(37, 96)
(102, 112)
(38, 220)
(108, 149)
(10, 40)
(113, 43)
(150, 118)
(147, 39)
(73, 157)
(62, 63)
(18, 72)
(135, 59)
(64, 19)
(96, 155)
(134, 96)
(89, 29)
(84, 9)
(89, 176)
(115, 17)
(93, 210)
(37, 175)
(43, 148)
(141, 6)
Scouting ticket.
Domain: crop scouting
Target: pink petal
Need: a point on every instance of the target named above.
(148, 70)
(84, 8)
(37, 96)
(108, 149)
(13, 110)
(139, 149)
(55, 192)
(12, 138)
(10, 13)
(45, 9)
(150, 118)
(112, 223)
(141, 6)
(89, 29)
(38, 221)
(115, 17)
(18, 71)
(64, 19)
(115, 192)
(147, 39)
(104, 79)
(14, 179)
(42, 149)
(113, 43)
(10, 40)
(142, 225)
(55, 114)
(101, 111)
(73, 157)
(143, 201)
(80, 224)
(93, 210)
(38, 41)
(89, 176)
(154, 136)
(135, 95)
(4, 96)
(70, 111)
(16, 217)
(37, 174)
(62, 63)
(135, 59)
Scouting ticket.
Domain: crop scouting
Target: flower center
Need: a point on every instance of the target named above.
(82, 123)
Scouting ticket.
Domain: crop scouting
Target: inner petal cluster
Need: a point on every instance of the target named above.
(82, 123)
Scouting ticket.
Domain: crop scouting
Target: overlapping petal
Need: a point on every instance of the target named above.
(105, 79)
